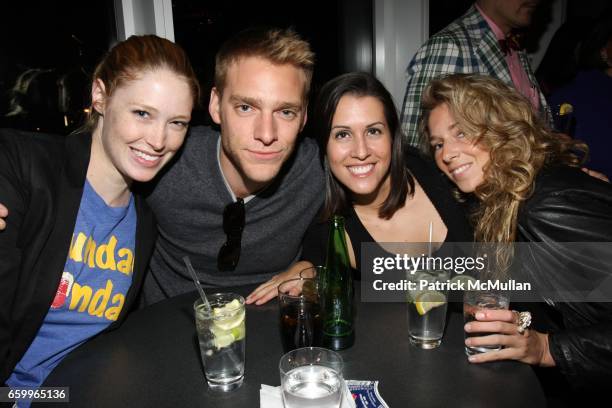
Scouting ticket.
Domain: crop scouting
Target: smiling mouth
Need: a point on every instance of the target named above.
(145, 157)
(457, 171)
(361, 170)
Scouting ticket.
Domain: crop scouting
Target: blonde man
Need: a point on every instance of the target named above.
(238, 201)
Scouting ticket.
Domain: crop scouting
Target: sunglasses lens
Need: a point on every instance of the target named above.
(228, 257)
(233, 224)
(233, 217)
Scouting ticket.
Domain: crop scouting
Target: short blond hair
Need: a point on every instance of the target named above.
(279, 46)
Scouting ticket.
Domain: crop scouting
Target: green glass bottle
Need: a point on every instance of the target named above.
(337, 287)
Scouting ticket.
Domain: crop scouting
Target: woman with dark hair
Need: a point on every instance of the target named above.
(528, 187)
(386, 192)
(79, 236)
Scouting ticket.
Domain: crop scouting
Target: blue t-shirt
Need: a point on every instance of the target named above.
(92, 291)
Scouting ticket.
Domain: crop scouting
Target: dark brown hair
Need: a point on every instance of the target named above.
(360, 84)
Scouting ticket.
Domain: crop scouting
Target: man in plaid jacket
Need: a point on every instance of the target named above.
(473, 44)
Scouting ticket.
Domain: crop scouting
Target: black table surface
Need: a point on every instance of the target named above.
(153, 360)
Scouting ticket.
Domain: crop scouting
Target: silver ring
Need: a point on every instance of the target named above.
(524, 321)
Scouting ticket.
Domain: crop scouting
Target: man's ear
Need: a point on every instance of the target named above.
(214, 106)
(98, 96)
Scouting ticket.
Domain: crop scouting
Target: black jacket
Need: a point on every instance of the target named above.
(41, 183)
(570, 206)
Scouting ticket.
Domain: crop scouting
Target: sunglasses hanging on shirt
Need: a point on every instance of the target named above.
(233, 224)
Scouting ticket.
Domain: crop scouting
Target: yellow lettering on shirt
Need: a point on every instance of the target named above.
(105, 255)
(80, 293)
(126, 265)
(76, 247)
(112, 313)
(97, 305)
(90, 251)
(100, 300)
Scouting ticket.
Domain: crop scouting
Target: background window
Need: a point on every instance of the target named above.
(47, 53)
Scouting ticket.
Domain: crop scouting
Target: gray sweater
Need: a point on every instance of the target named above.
(189, 199)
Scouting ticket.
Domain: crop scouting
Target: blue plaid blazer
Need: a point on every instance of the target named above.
(467, 45)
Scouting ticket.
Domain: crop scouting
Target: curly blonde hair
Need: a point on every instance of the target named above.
(502, 121)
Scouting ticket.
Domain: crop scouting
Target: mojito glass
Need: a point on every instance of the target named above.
(221, 335)
(427, 308)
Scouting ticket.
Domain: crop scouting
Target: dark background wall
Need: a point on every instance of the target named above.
(63, 41)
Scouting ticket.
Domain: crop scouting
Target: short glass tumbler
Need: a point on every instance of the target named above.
(311, 377)
(475, 300)
(300, 313)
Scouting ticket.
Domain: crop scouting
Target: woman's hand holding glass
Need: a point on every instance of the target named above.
(530, 347)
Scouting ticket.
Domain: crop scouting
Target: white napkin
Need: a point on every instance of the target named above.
(271, 397)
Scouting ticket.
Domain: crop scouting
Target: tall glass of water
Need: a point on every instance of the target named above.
(221, 335)
(427, 308)
(311, 377)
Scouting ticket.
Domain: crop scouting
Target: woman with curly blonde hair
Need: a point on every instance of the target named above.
(528, 187)
(499, 122)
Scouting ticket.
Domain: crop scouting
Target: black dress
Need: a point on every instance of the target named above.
(436, 187)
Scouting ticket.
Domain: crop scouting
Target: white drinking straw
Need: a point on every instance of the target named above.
(430, 239)
(196, 282)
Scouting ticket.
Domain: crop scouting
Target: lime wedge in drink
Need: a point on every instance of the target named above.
(229, 316)
(228, 324)
(223, 340)
(238, 332)
(417, 278)
(428, 300)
